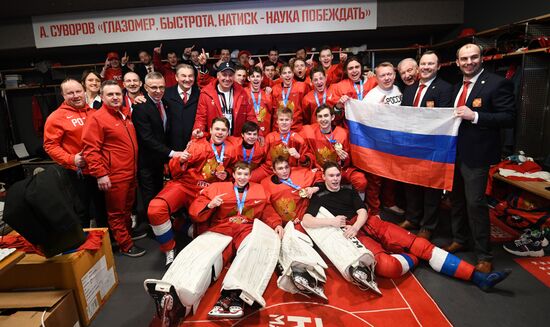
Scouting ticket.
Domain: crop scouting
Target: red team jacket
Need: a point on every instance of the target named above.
(297, 92)
(209, 107)
(309, 105)
(63, 133)
(256, 206)
(275, 148)
(202, 164)
(265, 112)
(285, 199)
(323, 149)
(110, 144)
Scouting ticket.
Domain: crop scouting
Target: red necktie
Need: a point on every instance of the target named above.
(418, 94)
(161, 112)
(463, 95)
(184, 97)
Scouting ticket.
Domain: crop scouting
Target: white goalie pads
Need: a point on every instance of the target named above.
(192, 271)
(254, 264)
(341, 251)
(297, 252)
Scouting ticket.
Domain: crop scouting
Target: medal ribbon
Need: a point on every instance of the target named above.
(288, 182)
(256, 104)
(240, 201)
(219, 158)
(285, 97)
(286, 138)
(246, 159)
(317, 99)
(359, 94)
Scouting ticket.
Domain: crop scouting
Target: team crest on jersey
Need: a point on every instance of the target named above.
(286, 208)
(326, 154)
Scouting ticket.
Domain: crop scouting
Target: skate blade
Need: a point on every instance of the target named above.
(311, 291)
(219, 312)
(373, 286)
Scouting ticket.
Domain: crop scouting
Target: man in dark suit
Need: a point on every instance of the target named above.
(433, 92)
(182, 100)
(486, 103)
(145, 66)
(151, 122)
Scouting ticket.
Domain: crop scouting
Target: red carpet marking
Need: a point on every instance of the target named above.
(538, 267)
(404, 303)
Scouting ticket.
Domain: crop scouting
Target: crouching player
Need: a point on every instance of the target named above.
(395, 249)
(242, 222)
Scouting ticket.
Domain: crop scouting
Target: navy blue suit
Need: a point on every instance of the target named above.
(479, 146)
(423, 202)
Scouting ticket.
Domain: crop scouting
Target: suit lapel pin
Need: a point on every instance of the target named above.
(482, 82)
(433, 87)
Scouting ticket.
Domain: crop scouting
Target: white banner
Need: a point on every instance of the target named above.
(201, 21)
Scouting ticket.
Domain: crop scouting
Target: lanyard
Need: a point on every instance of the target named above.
(288, 182)
(240, 201)
(245, 158)
(359, 94)
(225, 108)
(256, 104)
(219, 158)
(285, 139)
(285, 96)
(324, 98)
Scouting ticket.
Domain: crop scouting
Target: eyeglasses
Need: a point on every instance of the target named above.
(156, 88)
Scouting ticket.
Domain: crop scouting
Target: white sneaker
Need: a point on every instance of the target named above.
(170, 256)
(396, 210)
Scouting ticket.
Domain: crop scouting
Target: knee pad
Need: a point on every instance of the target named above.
(158, 211)
(422, 248)
(392, 266)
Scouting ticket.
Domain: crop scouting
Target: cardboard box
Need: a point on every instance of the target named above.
(56, 307)
(91, 275)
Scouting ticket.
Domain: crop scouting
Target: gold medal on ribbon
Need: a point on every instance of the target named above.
(220, 169)
(338, 146)
(303, 193)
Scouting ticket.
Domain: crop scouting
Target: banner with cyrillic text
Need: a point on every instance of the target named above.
(202, 21)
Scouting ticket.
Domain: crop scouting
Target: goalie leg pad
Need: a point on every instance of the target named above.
(191, 272)
(254, 264)
(342, 252)
(297, 252)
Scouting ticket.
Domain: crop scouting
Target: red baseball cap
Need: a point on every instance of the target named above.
(112, 55)
(244, 52)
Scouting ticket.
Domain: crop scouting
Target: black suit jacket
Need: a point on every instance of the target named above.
(140, 69)
(181, 117)
(492, 97)
(439, 92)
(153, 148)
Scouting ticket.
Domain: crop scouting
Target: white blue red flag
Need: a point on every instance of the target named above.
(409, 144)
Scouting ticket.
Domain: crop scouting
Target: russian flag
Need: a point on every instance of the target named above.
(409, 144)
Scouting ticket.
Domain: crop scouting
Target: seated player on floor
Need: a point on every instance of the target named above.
(395, 249)
(241, 225)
